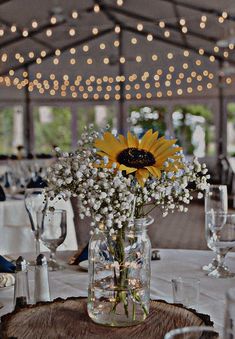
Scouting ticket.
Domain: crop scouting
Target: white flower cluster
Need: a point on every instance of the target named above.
(172, 192)
(108, 196)
(144, 114)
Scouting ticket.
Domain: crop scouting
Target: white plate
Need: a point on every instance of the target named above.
(83, 265)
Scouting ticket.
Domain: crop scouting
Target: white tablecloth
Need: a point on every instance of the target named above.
(15, 229)
(173, 263)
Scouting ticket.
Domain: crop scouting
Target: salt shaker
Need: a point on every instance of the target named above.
(21, 291)
(41, 289)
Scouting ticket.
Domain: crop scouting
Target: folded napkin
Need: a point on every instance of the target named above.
(6, 266)
(79, 256)
(37, 182)
(2, 194)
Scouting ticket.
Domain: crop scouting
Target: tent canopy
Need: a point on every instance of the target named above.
(114, 50)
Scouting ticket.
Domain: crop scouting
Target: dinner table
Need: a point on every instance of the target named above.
(73, 281)
(15, 228)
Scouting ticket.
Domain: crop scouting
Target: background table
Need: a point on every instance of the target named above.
(15, 229)
(173, 263)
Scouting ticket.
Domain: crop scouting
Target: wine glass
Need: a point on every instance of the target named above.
(222, 226)
(192, 332)
(52, 224)
(35, 200)
(216, 199)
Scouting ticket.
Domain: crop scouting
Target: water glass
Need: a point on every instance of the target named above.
(186, 291)
(192, 332)
(222, 227)
(216, 199)
(229, 321)
(52, 224)
(35, 200)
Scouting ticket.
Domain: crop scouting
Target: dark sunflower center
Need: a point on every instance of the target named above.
(134, 157)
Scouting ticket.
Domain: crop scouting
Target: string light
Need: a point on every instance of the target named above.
(72, 32)
(74, 14)
(117, 29)
(4, 57)
(149, 37)
(96, 8)
(225, 15)
(102, 46)
(119, 2)
(13, 28)
(134, 41)
(34, 24)
(95, 30)
(25, 33)
(53, 20)
(49, 32)
(167, 34)
(85, 48)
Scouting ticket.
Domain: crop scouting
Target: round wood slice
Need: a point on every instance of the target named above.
(69, 319)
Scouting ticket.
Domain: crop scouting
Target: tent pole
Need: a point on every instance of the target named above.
(121, 113)
(28, 123)
(222, 126)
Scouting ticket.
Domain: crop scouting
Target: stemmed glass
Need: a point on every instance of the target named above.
(222, 226)
(35, 200)
(52, 224)
(216, 199)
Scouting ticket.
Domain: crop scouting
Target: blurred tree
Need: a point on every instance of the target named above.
(6, 130)
(55, 132)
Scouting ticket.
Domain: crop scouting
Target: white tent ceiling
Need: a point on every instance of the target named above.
(111, 49)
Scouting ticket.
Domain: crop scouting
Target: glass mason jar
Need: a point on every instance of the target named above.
(119, 275)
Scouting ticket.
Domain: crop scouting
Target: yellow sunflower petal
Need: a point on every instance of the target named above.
(165, 146)
(127, 169)
(109, 137)
(132, 140)
(169, 153)
(123, 140)
(157, 144)
(145, 140)
(109, 144)
(154, 171)
(142, 175)
(152, 141)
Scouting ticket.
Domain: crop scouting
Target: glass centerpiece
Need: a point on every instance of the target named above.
(118, 181)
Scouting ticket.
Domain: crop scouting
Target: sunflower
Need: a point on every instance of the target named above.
(144, 158)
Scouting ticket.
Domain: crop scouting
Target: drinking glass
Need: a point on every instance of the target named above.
(216, 199)
(222, 226)
(186, 291)
(35, 201)
(193, 332)
(52, 224)
(229, 320)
